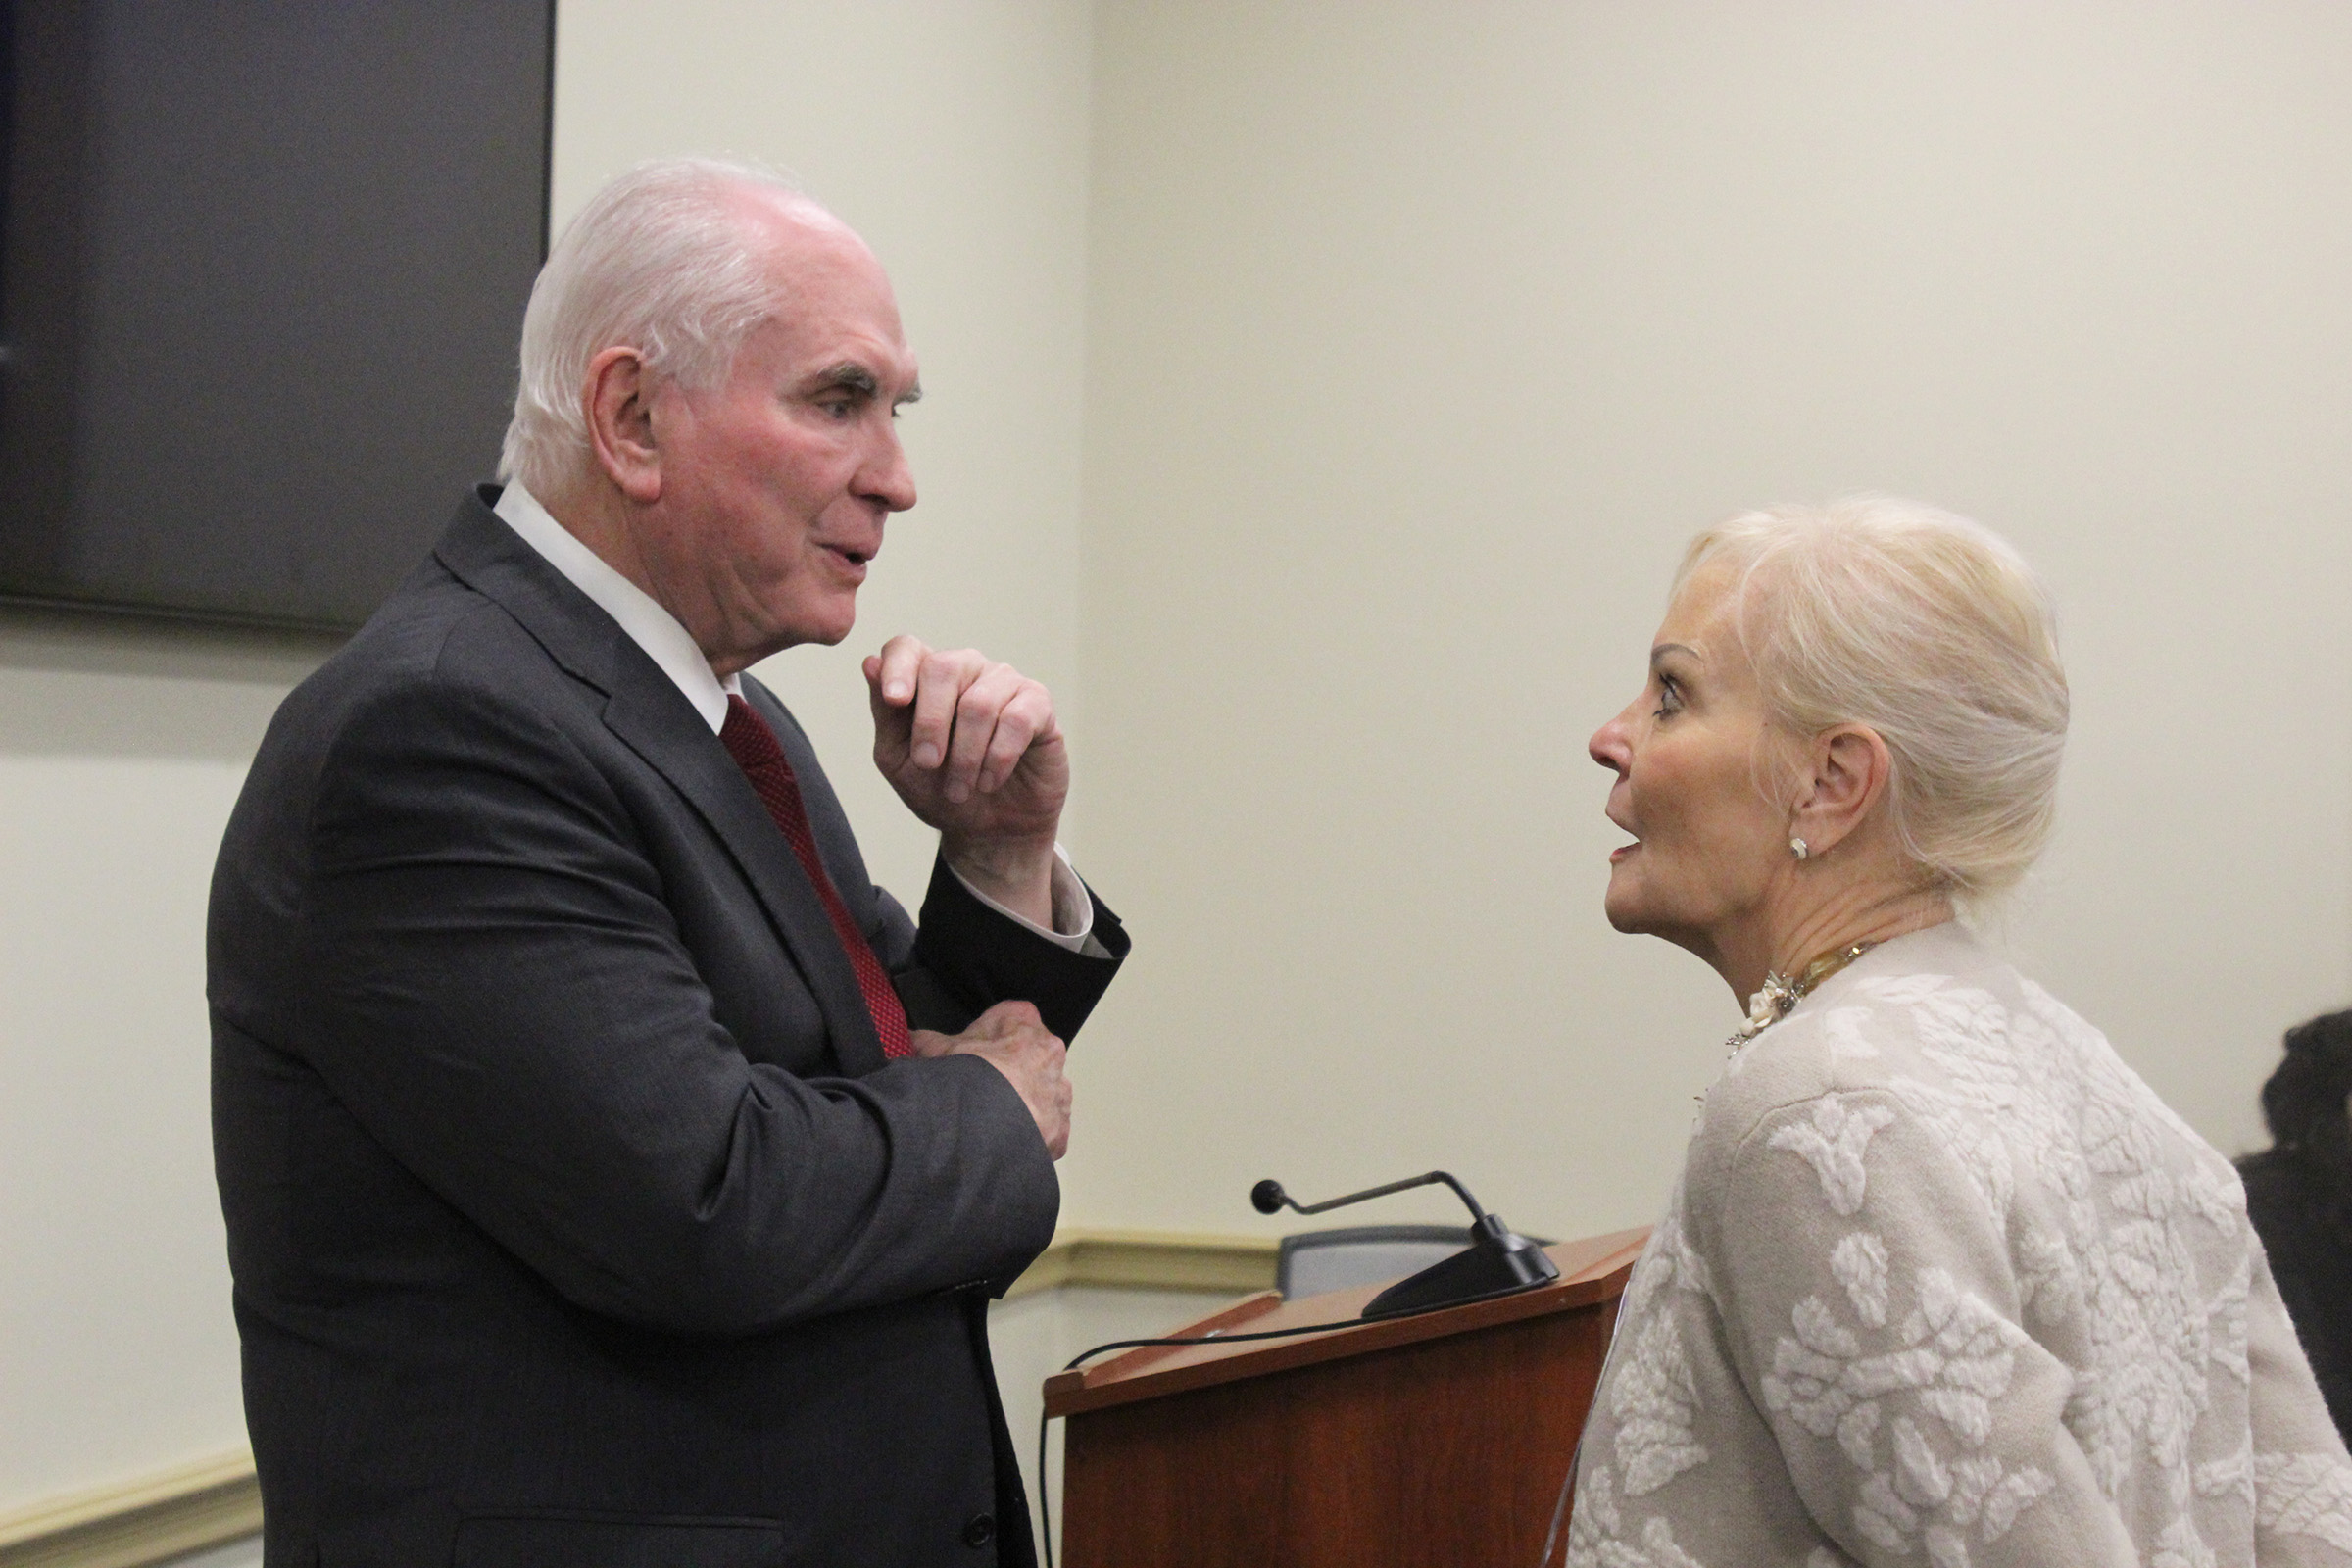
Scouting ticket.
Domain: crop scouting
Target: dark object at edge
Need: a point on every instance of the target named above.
(2299, 1197)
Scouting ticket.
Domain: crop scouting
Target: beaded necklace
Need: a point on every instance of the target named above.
(1780, 994)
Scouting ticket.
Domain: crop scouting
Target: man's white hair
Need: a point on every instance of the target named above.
(660, 261)
(1929, 629)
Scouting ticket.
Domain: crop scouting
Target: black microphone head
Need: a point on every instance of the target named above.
(1267, 1196)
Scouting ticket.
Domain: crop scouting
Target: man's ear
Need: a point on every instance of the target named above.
(618, 401)
(1850, 767)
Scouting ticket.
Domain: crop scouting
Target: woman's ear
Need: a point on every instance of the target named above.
(618, 401)
(1850, 769)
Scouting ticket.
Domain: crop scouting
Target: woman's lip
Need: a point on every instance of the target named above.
(1622, 850)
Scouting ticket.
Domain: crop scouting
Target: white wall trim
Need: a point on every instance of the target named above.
(144, 1520)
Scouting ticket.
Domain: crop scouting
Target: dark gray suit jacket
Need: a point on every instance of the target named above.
(575, 1216)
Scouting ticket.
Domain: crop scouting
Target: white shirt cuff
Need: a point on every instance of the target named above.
(1073, 909)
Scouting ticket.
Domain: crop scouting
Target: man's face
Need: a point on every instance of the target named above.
(775, 484)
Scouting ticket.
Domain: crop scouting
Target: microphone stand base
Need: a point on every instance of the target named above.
(1497, 1262)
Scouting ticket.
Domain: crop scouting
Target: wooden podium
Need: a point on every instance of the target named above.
(1439, 1439)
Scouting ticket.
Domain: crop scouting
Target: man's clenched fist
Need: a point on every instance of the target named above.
(1010, 1038)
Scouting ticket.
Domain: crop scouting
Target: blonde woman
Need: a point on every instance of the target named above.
(1942, 1282)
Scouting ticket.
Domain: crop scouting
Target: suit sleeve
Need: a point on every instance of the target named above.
(965, 958)
(498, 992)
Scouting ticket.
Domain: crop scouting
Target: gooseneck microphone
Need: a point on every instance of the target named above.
(1268, 1197)
(1497, 1261)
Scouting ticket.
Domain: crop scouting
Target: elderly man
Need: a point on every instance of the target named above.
(599, 1191)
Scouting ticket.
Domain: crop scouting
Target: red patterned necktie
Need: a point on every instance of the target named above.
(753, 745)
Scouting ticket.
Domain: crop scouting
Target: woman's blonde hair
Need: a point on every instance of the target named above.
(1929, 629)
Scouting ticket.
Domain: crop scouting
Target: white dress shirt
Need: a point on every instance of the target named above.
(670, 647)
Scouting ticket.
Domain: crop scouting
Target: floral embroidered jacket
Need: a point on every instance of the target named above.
(1944, 1283)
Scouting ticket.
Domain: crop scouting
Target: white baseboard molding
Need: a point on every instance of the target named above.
(191, 1506)
(135, 1523)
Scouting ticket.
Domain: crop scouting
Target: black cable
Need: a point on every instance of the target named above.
(1234, 1339)
(1045, 1505)
(1559, 1509)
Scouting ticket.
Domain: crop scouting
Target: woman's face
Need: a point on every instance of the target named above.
(1707, 845)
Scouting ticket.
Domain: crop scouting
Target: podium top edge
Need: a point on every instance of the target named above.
(1592, 1272)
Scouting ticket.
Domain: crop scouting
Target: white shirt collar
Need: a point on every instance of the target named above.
(651, 627)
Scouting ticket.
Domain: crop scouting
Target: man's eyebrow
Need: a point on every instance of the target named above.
(851, 376)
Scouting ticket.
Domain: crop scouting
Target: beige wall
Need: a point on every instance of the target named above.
(1388, 352)
(121, 749)
(1421, 335)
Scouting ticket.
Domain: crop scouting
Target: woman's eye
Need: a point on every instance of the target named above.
(1669, 700)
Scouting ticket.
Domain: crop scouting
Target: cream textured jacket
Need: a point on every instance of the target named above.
(1943, 1283)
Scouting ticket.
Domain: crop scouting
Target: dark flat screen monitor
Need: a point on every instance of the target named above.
(262, 266)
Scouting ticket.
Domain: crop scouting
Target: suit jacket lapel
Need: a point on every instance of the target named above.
(648, 715)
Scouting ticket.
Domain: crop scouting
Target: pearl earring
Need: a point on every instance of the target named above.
(1799, 849)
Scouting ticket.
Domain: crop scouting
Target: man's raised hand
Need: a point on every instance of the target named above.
(1010, 1038)
(973, 748)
